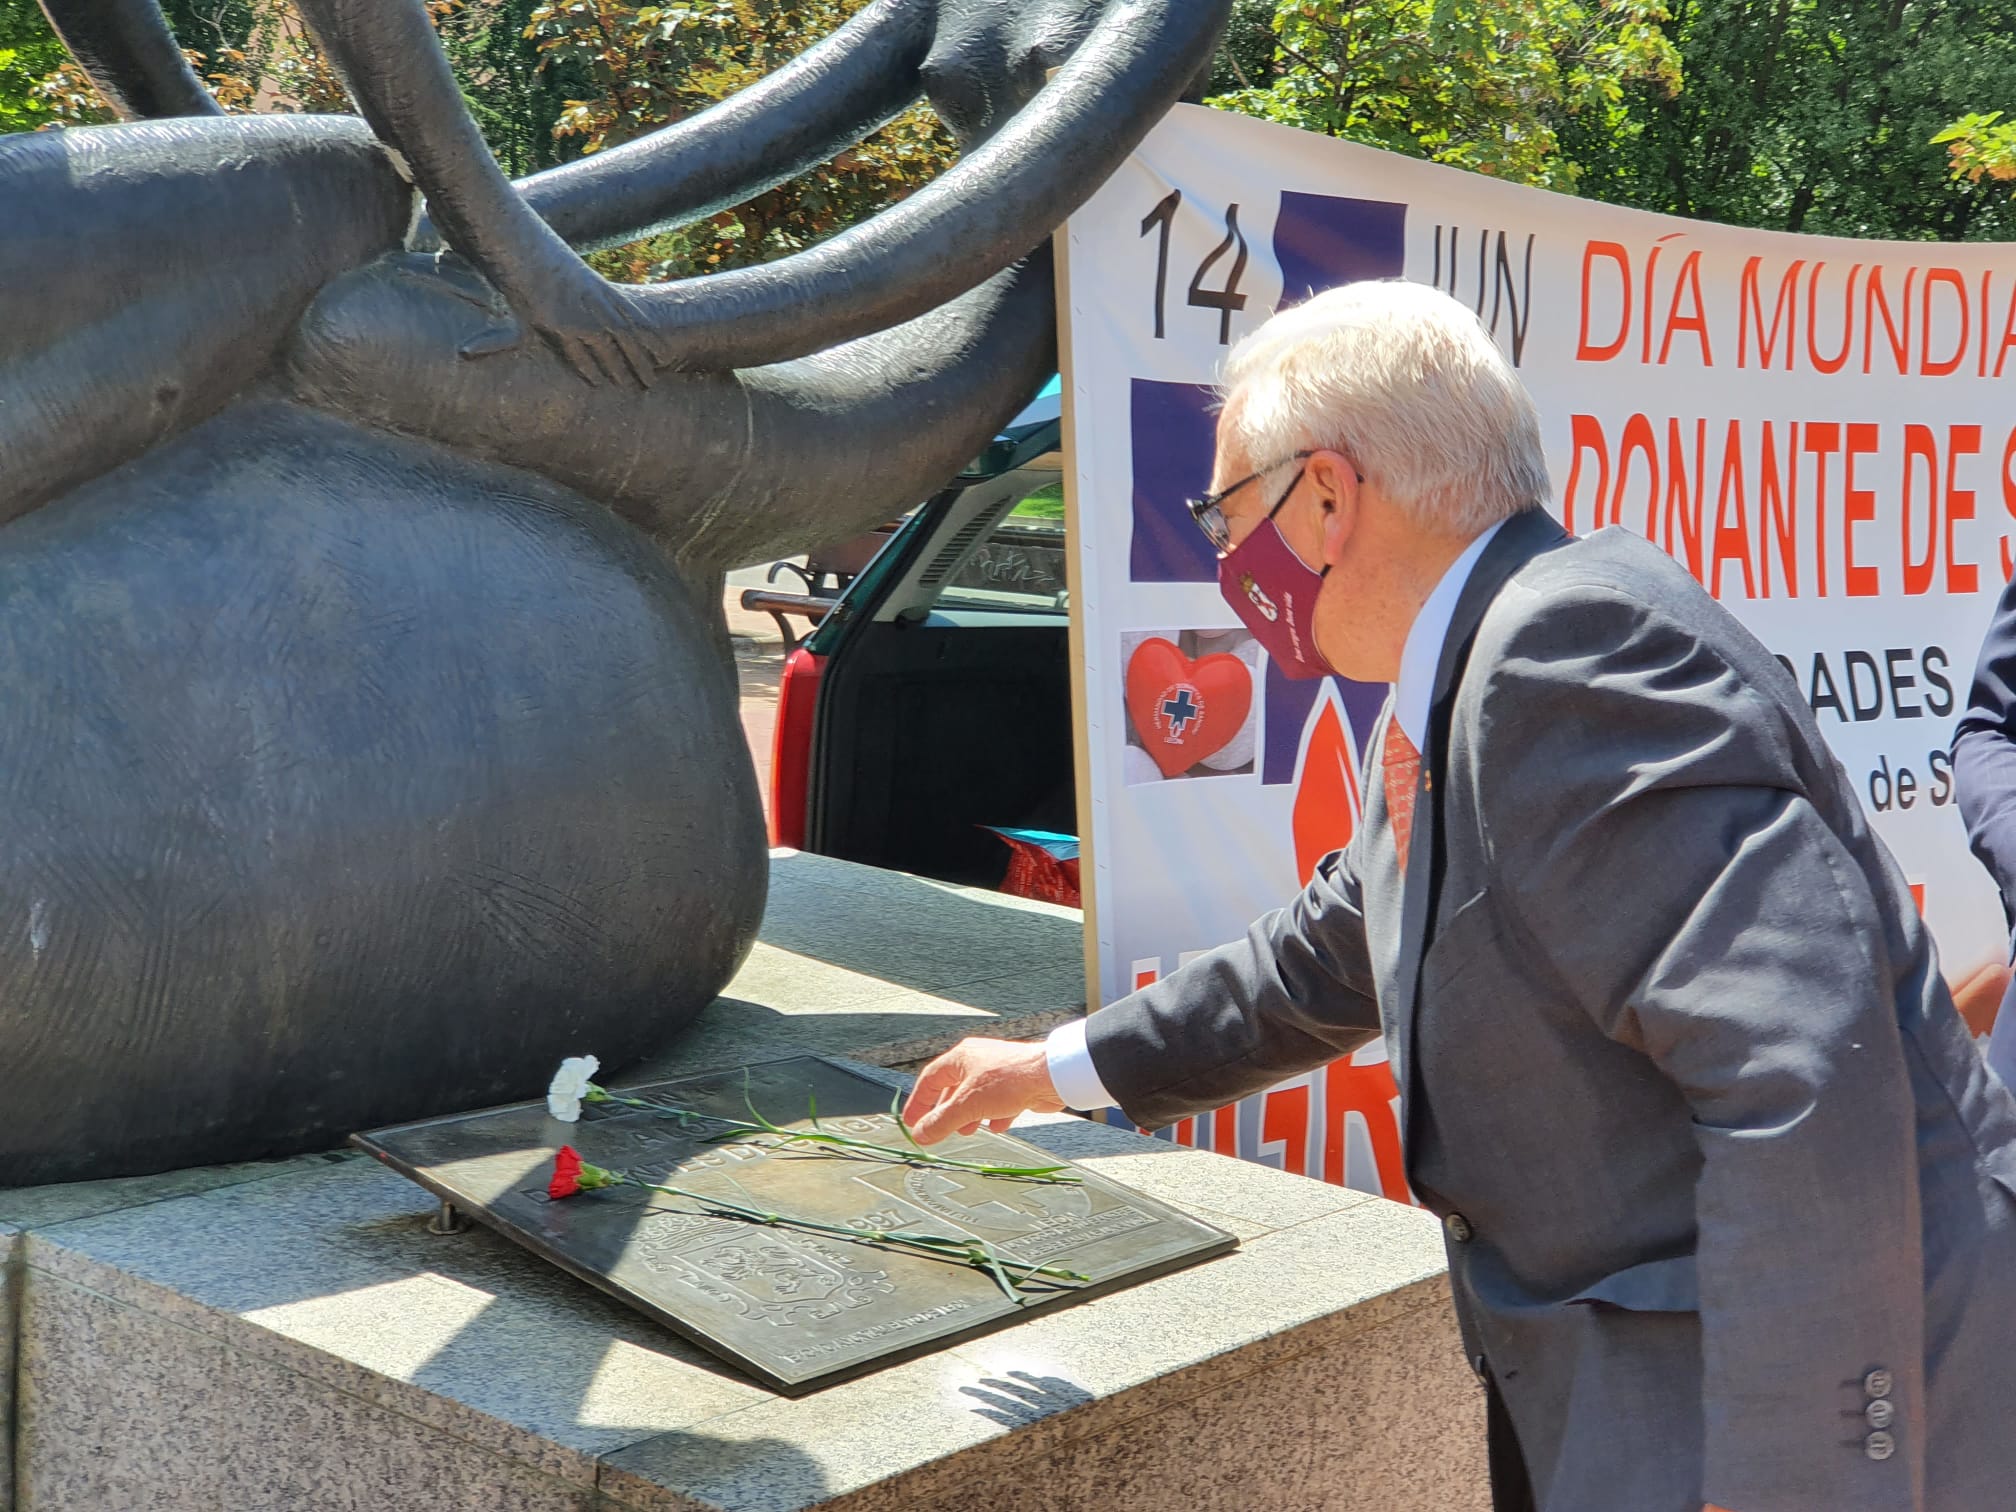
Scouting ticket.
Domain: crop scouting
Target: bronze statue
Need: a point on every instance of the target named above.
(370, 738)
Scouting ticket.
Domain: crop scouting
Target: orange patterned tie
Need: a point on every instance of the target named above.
(1402, 764)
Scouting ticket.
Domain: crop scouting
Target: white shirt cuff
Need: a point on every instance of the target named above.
(1071, 1071)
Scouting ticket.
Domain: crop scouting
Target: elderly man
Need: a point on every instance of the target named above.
(1729, 1197)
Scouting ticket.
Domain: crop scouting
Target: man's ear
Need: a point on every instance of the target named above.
(1339, 497)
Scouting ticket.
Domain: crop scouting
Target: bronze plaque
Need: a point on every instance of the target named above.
(796, 1310)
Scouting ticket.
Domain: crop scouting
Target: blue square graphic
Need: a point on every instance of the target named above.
(1174, 438)
(1323, 240)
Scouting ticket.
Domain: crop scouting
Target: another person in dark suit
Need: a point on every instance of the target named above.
(1984, 777)
(1729, 1196)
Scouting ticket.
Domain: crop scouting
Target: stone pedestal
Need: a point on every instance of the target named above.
(885, 968)
(291, 1337)
(9, 1311)
(300, 1340)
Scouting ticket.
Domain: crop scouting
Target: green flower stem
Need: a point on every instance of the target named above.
(977, 1253)
(839, 1144)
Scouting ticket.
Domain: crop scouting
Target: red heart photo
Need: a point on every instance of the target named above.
(1185, 711)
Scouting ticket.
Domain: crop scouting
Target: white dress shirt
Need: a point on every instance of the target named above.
(1071, 1070)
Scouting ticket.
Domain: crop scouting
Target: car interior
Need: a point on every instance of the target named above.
(945, 704)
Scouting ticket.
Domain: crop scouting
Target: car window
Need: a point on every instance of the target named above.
(1021, 565)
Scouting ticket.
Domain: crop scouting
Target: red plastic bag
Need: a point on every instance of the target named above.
(1042, 866)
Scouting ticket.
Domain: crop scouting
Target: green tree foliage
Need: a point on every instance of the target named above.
(256, 55)
(1482, 84)
(1980, 146)
(29, 53)
(1814, 115)
(646, 65)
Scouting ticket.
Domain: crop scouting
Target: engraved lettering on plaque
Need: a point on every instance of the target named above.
(1027, 1221)
(762, 1276)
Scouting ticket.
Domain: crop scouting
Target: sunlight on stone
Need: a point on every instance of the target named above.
(431, 1311)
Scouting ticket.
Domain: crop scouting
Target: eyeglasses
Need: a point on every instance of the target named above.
(1210, 517)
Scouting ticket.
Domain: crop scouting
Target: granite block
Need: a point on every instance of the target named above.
(910, 930)
(782, 1456)
(39, 1207)
(124, 1410)
(884, 967)
(336, 1276)
(10, 1305)
(929, 1427)
(1390, 1419)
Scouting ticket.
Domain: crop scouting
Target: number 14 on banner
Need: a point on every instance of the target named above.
(1227, 301)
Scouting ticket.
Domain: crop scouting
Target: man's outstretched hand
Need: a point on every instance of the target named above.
(980, 1081)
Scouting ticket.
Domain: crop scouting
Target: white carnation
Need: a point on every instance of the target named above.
(570, 1085)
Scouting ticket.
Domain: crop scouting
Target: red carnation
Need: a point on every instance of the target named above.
(566, 1174)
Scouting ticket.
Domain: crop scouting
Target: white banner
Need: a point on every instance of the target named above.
(1820, 430)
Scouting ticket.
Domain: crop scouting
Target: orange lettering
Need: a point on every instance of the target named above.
(1858, 507)
(1919, 445)
(1677, 503)
(1785, 312)
(1961, 441)
(1779, 509)
(1873, 296)
(1835, 363)
(1638, 438)
(1586, 435)
(1689, 281)
(1586, 350)
(1732, 532)
(1823, 438)
(1942, 278)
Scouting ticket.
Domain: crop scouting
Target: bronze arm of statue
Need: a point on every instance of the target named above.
(982, 215)
(1027, 170)
(130, 55)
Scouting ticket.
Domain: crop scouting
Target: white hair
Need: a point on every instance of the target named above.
(1408, 384)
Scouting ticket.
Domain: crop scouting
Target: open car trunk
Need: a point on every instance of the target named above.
(945, 705)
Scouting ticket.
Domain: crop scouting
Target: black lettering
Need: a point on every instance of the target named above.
(1831, 698)
(1933, 664)
(1163, 215)
(1941, 763)
(1228, 300)
(1907, 788)
(1880, 786)
(1899, 683)
(1862, 661)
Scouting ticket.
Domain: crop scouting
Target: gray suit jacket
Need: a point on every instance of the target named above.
(1719, 1168)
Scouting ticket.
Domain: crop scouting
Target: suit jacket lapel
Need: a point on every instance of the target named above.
(1518, 541)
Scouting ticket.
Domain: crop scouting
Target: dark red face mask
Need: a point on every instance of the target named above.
(1273, 591)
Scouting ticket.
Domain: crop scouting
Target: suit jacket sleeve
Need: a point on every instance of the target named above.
(1693, 871)
(1295, 994)
(1984, 753)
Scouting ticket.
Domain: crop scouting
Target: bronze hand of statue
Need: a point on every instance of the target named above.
(595, 326)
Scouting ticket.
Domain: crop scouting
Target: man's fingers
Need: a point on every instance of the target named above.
(931, 1084)
(1000, 1125)
(978, 1082)
(940, 1119)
